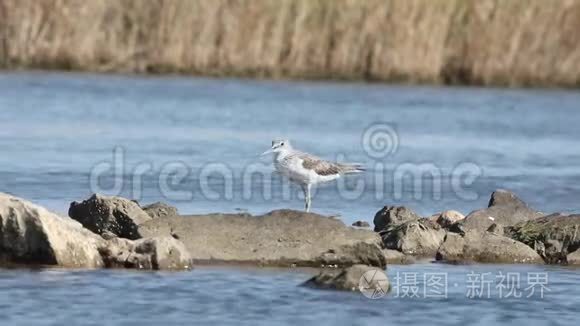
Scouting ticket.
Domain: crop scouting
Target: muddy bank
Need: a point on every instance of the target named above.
(484, 42)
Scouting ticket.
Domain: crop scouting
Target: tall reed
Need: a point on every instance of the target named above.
(489, 42)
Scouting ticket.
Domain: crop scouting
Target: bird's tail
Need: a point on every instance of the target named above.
(349, 168)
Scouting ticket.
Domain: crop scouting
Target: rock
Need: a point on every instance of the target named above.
(574, 258)
(158, 210)
(280, 238)
(359, 253)
(552, 236)
(30, 234)
(160, 253)
(502, 197)
(351, 279)
(485, 247)
(392, 215)
(505, 208)
(457, 228)
(361, 224)
(396, 257)
(496, 229)
(447, 218)
(452, 248)
(553, 252)
(117, 215)
(418, 238)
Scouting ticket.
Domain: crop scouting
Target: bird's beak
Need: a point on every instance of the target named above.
(271, 150)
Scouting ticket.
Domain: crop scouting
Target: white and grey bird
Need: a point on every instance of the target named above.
(305, 169)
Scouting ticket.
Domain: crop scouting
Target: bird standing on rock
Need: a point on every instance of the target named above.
(306, 169)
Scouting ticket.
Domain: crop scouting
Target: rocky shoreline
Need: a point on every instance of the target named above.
(114, 232)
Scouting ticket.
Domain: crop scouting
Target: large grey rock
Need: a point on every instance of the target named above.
(159, 253)
(102, 214)
(502, 197)
(505, 208)
(159, 210)
(359, 253)
(280, 238)
(574, 258)
(351, 279)
(393, 215)
(496, 228)
(420, 237)
(30, 234)
(447, 218)
(553, 236)
(485, 247)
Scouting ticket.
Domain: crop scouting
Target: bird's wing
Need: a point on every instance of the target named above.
(320, 166)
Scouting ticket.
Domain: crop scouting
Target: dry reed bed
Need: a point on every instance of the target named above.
(489, 42)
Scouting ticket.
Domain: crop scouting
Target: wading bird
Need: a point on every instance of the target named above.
(305, 169)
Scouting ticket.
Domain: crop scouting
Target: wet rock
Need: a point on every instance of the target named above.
(30, 234)
(485, 247)
(393, 215)
(279, 238)
(553, 236)
(159, 210)
(359, 253)
(574, 258)
(420, 237)
(397, 258)
(159, 253)
(102, 214)
(361, 224)
(447, 218)
(504, 208)
(354, 278)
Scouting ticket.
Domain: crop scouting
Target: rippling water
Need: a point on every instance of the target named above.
(57, 128)
(272, 297)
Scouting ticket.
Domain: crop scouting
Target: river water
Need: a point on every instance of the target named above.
(196, 143)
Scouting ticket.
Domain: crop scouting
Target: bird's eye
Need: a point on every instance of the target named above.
(282, 144)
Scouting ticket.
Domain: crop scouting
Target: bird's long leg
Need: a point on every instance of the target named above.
(305, 192)
(308, 199)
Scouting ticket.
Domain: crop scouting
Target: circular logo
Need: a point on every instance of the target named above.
(374, 284)
(380, 140)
